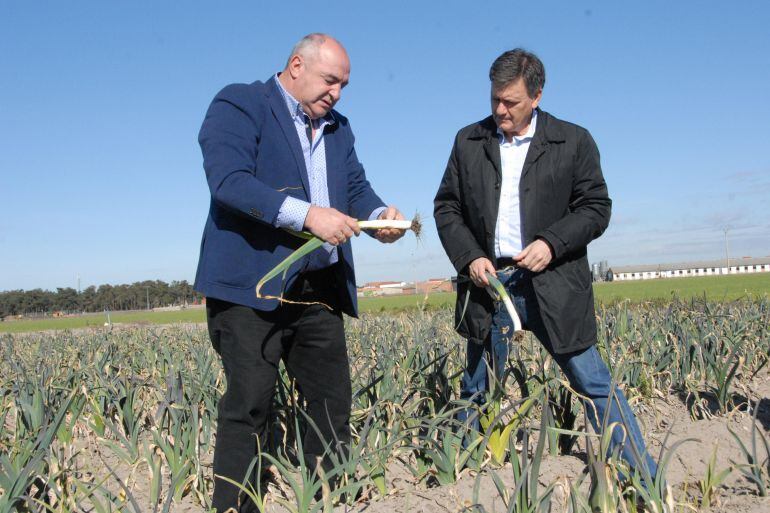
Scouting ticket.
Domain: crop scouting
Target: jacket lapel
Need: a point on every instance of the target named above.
(281, 113)
(490, 178)
(491, 187)
(492, 150)
(546, 132)
(536, 150)
(538, 146)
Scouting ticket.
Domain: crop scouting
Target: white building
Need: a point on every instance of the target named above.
(681, 270)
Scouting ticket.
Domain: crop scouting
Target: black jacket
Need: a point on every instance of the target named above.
(563, 200)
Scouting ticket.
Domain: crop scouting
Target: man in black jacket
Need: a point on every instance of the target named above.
(522, 196)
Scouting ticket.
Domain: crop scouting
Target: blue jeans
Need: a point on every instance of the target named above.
(586, 371)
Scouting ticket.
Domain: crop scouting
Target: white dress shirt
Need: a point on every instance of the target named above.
(508, 236)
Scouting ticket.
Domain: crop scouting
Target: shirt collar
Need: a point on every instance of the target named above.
(521, 138)
(295, 109)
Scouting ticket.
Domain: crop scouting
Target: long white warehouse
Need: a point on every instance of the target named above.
(681, 270)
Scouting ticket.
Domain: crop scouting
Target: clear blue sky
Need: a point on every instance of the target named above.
(101, 102)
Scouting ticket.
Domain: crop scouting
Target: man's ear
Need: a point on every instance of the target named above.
(296, 63)
(536, 101)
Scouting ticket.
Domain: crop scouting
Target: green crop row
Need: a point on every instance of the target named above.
(125, 419)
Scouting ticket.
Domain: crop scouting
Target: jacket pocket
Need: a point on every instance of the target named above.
(576, 275)
(473, 310)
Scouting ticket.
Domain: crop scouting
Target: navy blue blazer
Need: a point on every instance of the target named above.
(253, 160)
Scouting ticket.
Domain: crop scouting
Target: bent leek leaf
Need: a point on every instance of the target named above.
(311, 245)
(498, 291)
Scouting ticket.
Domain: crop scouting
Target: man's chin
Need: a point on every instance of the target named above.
(323, 109)
(318, 113)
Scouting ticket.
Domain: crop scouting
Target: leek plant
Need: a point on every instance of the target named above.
(498, 426)
(26, 465)
(757, 467)
(709, 485)
(525, 496)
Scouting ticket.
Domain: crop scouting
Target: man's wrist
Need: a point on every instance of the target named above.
(550, 248)
(376, 213)
(292, 214)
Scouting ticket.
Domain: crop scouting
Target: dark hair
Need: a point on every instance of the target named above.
(515, 64)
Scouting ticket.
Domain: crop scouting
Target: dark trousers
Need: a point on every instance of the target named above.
(310, 339)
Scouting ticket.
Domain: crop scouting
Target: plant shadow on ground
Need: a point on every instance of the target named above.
(763, 415)
(705, 405)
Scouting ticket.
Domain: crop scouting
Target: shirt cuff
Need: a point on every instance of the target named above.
(292, 214)
(376, 213)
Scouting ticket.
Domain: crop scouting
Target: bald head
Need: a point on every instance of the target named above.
(310, 46)
(317, 70)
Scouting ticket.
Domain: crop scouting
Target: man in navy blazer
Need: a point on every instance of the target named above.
(277, 158)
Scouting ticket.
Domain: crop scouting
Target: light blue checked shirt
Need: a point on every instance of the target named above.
(293, 211)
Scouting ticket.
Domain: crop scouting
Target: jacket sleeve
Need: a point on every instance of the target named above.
(229, 139)
(362, 199)
(589, 204)
(459, 243)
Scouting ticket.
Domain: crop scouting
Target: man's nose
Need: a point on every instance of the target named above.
(335, 93)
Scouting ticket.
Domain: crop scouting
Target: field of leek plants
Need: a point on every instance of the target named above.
(107, 420)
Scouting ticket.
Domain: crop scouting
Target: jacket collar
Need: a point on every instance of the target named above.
(546, 131)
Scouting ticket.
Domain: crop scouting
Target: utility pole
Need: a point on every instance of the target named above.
(727, 250)
(147, 289)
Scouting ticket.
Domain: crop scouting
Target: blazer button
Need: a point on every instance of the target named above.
(256, 213)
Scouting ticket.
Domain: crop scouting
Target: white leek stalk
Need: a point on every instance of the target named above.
(394, 224)
(497, 290)
(377, 224)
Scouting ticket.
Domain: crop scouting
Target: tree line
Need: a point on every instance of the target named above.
(136, 296)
